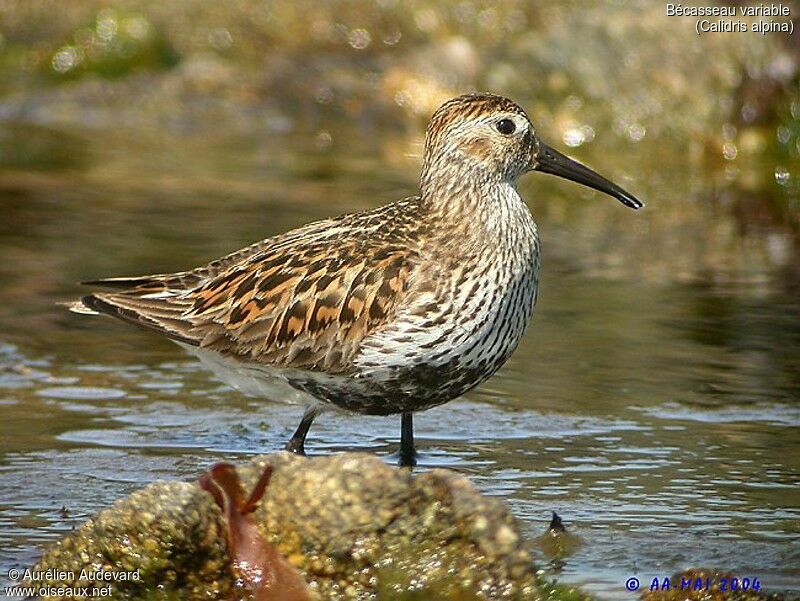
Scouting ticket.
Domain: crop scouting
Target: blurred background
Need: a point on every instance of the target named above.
(654, 402)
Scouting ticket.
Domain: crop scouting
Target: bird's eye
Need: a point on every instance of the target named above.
(506, 127)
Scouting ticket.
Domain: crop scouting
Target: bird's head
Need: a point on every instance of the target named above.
(490, 137)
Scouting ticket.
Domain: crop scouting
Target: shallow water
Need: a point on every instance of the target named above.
(653, 403)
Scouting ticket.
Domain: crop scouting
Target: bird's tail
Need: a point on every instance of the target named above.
(79, 307)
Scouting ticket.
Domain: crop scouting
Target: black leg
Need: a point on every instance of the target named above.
(296, 443)
(408, 455)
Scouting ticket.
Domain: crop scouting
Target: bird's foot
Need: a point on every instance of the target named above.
(407, 457)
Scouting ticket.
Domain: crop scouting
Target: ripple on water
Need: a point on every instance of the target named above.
(466, 420)
(779, 414)
(89, 393)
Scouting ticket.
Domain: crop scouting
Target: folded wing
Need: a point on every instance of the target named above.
(305, 299)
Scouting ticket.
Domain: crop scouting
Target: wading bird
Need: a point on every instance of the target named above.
(391, 310)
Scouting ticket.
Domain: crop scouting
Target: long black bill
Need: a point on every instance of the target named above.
(552, 161)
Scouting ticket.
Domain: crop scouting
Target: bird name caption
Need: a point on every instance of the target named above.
(687, 583)
(756, 18)
(83, 584)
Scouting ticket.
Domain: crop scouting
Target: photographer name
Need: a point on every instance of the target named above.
(84, 576)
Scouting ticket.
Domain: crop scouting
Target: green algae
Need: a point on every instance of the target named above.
(115, 44)
(168, 534)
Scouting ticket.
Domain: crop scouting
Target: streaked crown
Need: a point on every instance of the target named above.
(482, 134)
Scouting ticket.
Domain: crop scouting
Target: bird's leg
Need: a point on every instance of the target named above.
(296, 443)
(408, 455)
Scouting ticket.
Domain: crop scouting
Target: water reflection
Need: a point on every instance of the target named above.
(653, 403)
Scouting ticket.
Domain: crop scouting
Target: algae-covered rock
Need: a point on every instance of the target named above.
(353, 527)
(166, 536)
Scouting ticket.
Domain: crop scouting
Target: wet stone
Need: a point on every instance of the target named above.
(166, 536)
(353, 527)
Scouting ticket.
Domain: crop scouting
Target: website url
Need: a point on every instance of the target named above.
(57, 591)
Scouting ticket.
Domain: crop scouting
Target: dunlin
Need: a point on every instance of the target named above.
(392, 310)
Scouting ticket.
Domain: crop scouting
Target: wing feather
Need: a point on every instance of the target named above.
(304, 299)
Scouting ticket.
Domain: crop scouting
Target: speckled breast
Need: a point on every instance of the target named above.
(447, 342)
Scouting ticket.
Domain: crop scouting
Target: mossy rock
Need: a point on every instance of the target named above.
(353, 526)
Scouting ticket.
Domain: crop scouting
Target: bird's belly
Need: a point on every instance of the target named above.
(303, 387)
(250, 378)
(431, 360)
